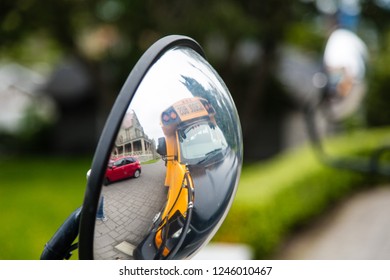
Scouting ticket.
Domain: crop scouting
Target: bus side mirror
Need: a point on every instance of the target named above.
(156, 215)
(343, 87)
(344, 61)
(162, 147)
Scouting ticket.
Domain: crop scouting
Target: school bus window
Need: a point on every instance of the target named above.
(198, 141)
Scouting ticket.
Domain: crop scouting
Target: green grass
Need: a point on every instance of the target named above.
(36, 196)
(151, 161)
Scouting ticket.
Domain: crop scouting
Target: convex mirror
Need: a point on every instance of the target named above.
(167, 164)
(344, 60)
(340, 108)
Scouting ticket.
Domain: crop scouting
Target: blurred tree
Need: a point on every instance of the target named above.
(378, 96)
(241, 40)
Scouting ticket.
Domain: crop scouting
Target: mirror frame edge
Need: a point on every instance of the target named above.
(111, 127)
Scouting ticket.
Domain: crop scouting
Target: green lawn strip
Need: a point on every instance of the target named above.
(277, 196)
(150, 161)
(36, 196)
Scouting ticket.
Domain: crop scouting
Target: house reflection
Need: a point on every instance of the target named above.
(133, 141)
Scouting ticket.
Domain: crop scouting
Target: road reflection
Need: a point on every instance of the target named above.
(129, 208)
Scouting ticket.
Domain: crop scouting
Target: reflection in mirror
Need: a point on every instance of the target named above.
(175, 164)
(345, 60)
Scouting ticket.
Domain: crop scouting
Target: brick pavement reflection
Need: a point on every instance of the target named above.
(129, 209)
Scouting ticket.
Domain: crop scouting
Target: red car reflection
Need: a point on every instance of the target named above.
(122, 168)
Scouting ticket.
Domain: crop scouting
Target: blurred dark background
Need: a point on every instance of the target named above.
(62, 63)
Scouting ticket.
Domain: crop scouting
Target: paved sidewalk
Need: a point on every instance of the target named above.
(129, 208)
(359, 228)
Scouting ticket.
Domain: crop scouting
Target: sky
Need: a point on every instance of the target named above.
(163, 85)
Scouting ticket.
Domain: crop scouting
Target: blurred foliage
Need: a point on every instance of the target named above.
(378, 96)
(110, 35)
(32, 135)
(241, 40)
(268, 207)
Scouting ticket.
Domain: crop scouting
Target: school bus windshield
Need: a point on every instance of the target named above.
(199, 141)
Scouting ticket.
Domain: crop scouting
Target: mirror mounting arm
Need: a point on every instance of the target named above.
(370, 166)
(60, 245)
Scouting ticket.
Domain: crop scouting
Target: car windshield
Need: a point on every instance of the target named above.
(199, 141)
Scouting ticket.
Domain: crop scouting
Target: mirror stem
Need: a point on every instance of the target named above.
(309, 115)
(60, 245)
(371, 166)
